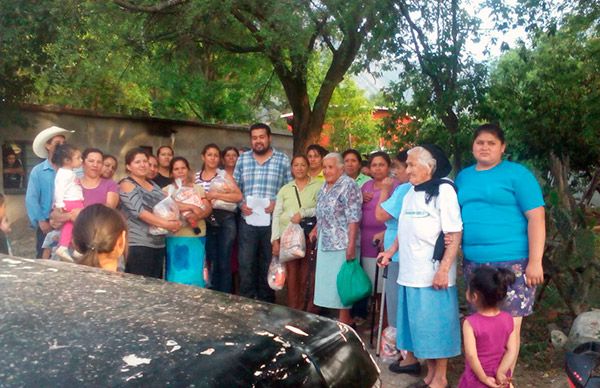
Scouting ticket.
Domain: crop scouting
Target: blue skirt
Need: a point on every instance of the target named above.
(428, 323)
(185, 260)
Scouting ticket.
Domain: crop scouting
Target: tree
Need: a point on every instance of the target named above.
(440, 85)
(25, 26)
(93, 63)
(288, 33)
(548, 99)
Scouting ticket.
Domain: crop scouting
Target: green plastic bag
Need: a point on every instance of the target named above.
(353, 284)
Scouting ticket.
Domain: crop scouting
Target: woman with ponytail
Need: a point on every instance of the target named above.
(100, 235)
(489, 335)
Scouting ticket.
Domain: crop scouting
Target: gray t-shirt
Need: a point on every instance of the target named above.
(132, 204)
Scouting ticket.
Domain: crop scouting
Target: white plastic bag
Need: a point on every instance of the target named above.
(166, 209)
(220, 184)
(277, 274)
(388, 350)
(293, 243)
(187, 195)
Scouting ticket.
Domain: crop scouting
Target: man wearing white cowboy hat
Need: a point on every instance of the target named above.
(40, 188)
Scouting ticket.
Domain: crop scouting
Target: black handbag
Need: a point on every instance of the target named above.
(306, 223)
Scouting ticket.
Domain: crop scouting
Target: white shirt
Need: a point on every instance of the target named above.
(419, 226)
(66, 187)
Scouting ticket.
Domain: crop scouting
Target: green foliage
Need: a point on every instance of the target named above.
(349, 122)
(547, 99)
(91, 55)
(288, 34)
(440, 85)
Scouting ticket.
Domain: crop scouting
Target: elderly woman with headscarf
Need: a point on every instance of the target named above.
(338, 215)
(427, 324)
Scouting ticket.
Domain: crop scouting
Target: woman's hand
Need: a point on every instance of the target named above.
(534, 274)
(191, 218)
(275, 247)
(440, 280)
(173, 226)
(378, 237)
(384, 258)
(312, 236)
(386, 184)
(296, 218)
(212, 195)
(367, 196)
(351, 252)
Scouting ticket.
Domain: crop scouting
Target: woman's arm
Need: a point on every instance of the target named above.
(277, 214)
(536, 232)
(112, 199)
(151, 219)
(472, 358)
(440, 280)
(132, 204)
(384, 258)
(386, 189)
(352, 233)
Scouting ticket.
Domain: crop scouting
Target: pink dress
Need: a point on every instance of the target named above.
(491, 337)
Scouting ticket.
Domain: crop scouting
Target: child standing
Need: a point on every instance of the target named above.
(68, 194)
(489, 337)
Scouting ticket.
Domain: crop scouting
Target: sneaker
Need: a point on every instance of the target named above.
(63, 254)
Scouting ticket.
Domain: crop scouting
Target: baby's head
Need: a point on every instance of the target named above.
(67, 156)
(100, 235)
(488, 286)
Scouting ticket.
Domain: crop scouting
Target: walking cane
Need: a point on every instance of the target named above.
(381, 310)
(374, 305)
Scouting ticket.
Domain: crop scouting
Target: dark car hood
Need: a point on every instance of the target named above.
(64, 324)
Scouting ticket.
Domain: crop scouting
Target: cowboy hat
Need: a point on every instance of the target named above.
(39, 143)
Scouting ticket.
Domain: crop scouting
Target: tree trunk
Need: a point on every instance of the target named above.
(450, 121)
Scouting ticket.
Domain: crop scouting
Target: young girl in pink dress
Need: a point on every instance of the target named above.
(68, 194)
(489, 337)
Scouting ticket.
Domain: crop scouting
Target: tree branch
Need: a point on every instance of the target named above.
(160, 7)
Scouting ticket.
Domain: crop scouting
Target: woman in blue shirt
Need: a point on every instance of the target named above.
(504, 219)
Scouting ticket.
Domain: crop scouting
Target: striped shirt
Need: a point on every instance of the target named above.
(132, 204)
(262, 180)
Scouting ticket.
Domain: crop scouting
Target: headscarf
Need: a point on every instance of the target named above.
(442, 169)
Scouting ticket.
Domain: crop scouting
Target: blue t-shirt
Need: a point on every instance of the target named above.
(393, 206)
(493, 204)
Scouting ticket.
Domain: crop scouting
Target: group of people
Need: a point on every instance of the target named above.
(405, 214)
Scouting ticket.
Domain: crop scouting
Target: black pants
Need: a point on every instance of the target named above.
(145, 261)
(254, 256)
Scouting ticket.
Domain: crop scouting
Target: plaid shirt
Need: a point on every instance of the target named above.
(262, 180)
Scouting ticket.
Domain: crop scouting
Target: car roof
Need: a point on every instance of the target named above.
(66, 324)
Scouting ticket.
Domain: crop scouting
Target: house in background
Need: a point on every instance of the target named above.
(379, 114)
